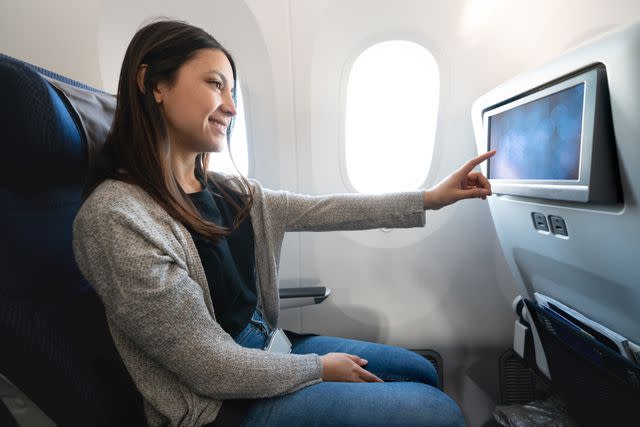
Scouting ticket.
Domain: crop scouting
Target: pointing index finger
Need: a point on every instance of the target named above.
(468, 167)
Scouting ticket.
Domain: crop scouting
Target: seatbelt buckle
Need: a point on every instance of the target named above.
(278, 343)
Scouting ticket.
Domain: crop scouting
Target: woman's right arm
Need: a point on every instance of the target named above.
(150, 298)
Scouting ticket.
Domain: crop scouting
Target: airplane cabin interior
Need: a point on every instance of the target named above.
(527, 304)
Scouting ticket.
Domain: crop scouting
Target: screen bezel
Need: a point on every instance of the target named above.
(571, 190)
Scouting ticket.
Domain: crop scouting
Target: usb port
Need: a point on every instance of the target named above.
(539, 221)
(558, 225)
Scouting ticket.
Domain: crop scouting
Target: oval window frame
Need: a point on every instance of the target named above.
(342, 108)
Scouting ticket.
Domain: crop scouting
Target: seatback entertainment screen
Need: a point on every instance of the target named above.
(539, 140)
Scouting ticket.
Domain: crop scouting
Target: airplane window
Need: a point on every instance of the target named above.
(221, 162)
(391, 112)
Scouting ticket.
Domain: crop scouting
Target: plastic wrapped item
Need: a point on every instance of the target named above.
(550, 412)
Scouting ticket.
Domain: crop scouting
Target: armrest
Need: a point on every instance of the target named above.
(300, 297)
(17, 409)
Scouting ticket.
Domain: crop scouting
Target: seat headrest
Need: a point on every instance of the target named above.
(48, 124)
(51, 125)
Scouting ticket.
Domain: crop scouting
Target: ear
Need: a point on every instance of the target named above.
(142, 71)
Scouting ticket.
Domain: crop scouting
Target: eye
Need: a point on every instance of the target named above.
(216, 83)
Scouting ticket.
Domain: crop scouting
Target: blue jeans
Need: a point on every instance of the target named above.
(408, 397)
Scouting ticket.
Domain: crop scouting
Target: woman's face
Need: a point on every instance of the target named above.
(198, 107)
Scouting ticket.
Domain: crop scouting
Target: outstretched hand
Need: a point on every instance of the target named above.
(461, 184)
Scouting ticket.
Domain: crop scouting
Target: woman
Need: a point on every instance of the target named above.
(185, 261)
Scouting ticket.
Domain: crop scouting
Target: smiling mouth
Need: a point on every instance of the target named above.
(219, 126)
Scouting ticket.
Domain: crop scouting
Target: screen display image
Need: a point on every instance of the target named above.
(539, 140)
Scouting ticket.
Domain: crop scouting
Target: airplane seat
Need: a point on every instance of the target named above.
(566, 187)
(55, 344)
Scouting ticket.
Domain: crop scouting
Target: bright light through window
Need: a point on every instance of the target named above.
(221, 162)
(392, 107)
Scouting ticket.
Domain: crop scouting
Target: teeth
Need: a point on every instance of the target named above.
(222, 128)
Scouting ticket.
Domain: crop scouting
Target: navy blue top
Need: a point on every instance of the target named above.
(230, 264)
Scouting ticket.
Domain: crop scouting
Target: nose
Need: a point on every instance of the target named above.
(228, 106)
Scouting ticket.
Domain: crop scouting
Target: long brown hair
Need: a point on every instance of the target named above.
(137, 149)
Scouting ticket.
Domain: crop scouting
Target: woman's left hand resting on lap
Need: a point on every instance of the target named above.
(461, 184)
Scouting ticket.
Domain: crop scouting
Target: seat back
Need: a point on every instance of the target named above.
(56, 347)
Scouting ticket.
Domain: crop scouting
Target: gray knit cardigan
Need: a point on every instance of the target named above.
(146, 269)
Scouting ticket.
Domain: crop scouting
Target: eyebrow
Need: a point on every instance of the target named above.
(222, 76)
